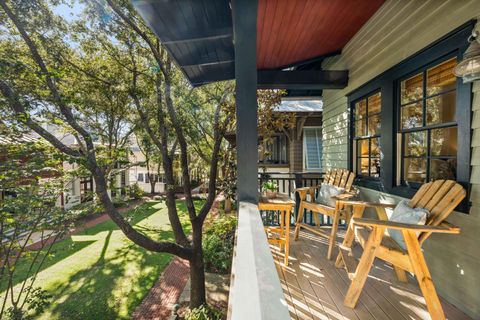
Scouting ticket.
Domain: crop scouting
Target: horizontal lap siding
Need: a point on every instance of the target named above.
(395, 32)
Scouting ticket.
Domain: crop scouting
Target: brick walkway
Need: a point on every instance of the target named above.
(159, 302)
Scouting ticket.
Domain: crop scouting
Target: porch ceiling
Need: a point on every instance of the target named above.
(199, 34)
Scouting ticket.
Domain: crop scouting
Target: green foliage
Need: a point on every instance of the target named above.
(204, 312)
(119, 202)
(135, 192)
(31, 175)
(270, 185)
(37, 301)
(86, 209)
(218, 243)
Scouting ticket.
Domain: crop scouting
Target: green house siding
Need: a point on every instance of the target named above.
(395, 32)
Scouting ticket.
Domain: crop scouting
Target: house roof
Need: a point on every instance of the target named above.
(22, 138)
(300, 105)
(199, 34)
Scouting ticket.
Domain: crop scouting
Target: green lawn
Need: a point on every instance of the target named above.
(100, 274)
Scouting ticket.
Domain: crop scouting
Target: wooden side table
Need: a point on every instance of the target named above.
(279, 235)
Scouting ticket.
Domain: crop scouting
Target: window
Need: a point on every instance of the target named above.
(427, 124)
(366, 135)
(275, 151)
(140, 177)
(312, 148)
(86, 189)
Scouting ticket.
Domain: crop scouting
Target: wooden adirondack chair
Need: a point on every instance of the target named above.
(440, 198)
(339, 178)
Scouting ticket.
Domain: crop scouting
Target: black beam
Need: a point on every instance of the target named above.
(244, 14)
(310, 61)
(302, 79)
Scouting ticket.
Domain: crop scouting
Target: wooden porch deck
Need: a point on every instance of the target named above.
(314, 288)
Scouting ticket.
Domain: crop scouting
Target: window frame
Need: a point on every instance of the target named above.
(355, 138)
(304, 149)
(277, 157)
(453, 44)
(425, 127)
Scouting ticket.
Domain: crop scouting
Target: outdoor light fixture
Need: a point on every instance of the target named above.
(469, 67)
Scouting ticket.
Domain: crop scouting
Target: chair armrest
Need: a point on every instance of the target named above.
(302, 189)
(305, 190)
(442, 228)
(343, 199)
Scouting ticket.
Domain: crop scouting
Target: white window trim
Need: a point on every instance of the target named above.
(304, 148)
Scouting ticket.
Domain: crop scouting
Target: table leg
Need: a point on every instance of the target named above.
(287, 236)
(282, 235)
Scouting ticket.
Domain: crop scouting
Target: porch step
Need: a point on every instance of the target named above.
(349, 261)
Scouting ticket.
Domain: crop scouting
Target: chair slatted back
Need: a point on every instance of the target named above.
(333, 175)
(326, 177)
(340, 178)
(344, 178)
(440, 198)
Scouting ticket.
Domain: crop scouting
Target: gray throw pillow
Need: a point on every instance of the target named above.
(326, 193)
(404, 214)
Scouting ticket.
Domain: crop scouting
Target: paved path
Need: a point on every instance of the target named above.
(159, 302)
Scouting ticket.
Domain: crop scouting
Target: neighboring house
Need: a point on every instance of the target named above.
(79, 189)
(299, 149)
(139, 172)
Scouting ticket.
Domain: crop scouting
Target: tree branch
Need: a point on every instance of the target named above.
(24, 117)
(66, 111)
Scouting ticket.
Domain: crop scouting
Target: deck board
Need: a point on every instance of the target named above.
(315, 289)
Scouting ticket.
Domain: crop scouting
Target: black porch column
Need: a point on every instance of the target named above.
(244, 13)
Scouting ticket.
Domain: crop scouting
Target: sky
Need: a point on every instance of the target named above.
(69, 13)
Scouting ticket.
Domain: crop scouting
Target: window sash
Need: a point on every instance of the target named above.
(312, 144)
(368, 133)
(424, 126)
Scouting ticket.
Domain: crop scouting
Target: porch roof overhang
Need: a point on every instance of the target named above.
(292, 36)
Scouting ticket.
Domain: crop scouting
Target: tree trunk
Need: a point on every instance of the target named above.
(197, 269)
(228, 205)
(152, 187)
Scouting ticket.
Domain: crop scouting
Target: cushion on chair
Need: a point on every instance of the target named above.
(403, 213)
(326, 193)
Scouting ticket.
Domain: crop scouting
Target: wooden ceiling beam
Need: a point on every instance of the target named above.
(302, 79)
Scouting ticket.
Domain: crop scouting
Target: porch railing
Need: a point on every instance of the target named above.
(255, 289)
(287, 183)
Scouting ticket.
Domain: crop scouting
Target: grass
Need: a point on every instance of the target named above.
(99, 273)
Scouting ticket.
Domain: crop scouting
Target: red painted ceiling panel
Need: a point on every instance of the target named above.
(291, 31)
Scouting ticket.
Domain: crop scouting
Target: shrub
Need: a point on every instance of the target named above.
(135, 192)
(119, 202)
(204, 312)
(218, 242)
(85, 209)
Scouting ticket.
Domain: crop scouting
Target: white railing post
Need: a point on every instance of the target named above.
(255, 289)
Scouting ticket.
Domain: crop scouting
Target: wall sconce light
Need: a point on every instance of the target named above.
(469, 68)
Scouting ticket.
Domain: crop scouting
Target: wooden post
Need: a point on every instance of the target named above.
(244, 14)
